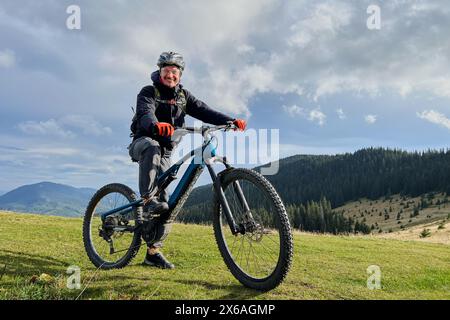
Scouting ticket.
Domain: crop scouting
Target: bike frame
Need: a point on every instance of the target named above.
(201, 157)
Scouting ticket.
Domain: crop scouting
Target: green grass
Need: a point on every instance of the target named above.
(324, 266)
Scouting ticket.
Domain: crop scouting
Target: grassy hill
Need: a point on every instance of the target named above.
(324, 266)
(394, 213)
(438, 232)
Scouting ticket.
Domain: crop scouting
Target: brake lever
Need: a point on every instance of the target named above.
(230, 126)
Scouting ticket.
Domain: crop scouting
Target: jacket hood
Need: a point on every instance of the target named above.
(156, 78)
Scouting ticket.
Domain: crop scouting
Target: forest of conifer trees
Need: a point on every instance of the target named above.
(311, 185)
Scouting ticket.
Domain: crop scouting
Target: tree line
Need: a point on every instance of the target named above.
(312, 217)
(311, 185)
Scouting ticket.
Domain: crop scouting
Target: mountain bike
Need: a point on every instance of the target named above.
(250, 222)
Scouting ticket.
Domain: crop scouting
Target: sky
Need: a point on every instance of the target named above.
(323, 73)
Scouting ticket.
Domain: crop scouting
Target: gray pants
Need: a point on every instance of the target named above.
(153, 160)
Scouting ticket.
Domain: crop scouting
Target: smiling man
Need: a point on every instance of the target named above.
(160, 109)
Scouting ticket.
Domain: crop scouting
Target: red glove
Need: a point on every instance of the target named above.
(164, 129)
(240, 124)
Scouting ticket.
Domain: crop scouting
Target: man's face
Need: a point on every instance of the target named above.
(170, 76)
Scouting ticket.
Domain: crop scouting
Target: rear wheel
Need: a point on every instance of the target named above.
(114, 242)
(260, 255)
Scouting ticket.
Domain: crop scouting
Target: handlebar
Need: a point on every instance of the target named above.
(204, 130)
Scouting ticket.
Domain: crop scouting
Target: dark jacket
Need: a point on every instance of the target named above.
(148, 114)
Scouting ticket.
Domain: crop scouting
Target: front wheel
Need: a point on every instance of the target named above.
(260, 255)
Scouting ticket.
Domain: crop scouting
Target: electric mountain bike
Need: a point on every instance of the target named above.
(250, 222)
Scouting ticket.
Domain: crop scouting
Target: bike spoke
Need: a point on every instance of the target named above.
(269, 252)
(234, 242)
(240, 248)
(254, 254)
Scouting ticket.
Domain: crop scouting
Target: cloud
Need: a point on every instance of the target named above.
(7, 59)
(324, 20)
(65, 127)
(50, 128)
(314, 115)
(370, 118)
(11, 148)
(317, 116)
(245, 49)
(435, 117)
(294, 110)
(341, 114)
(314, 49)
(231, 90)
(87, 124)
(53, 151)
(344, 56)
(85, 165)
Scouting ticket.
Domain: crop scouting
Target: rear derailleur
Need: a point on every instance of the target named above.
(113, 226)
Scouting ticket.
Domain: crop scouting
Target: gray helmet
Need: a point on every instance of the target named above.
(171, 59)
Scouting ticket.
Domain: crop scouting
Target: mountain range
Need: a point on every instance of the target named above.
(47, 198)
(367, 173)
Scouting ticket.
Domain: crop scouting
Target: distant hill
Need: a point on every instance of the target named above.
(367, 173)
(370, 173)
(47, 198)
(394, 213)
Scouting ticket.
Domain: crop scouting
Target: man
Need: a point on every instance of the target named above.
(160, 109)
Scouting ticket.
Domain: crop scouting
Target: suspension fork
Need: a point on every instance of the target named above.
(235, 229)
(248, 214)
(239, 192)
(221, 195)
